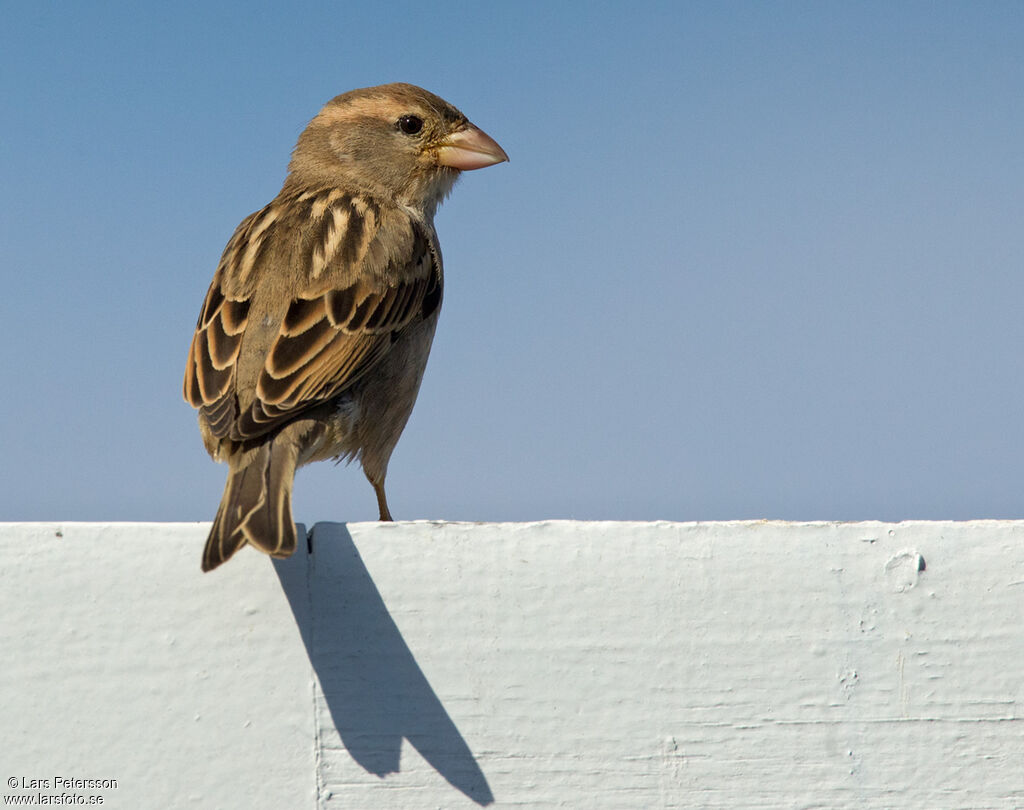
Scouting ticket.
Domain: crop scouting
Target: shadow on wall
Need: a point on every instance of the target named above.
(373, 687)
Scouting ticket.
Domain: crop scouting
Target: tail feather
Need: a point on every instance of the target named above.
(257, 505)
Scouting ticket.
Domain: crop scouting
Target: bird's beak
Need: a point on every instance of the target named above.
(470, 148)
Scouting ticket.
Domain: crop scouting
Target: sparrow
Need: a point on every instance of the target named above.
(314, 334)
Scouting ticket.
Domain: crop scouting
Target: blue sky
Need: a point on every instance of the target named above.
(749, 260)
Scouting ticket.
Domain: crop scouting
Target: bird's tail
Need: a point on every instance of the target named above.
(257, 505)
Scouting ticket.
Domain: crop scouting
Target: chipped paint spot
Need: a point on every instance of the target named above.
(904, 569)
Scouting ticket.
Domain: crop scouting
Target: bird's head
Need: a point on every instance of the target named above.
(395, 142)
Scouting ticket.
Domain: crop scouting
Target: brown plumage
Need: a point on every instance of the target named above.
(315, 331)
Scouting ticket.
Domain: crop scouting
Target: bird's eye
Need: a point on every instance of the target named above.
(410, 124)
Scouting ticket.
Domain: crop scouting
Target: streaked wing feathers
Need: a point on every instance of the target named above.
(331, 334)
(328, 343)
(214, 349)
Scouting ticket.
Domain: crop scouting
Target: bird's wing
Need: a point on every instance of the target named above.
(362, 277)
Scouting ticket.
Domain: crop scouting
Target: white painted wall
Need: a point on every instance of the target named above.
(560, 664)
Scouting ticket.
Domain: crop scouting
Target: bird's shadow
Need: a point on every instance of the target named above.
(375, 691)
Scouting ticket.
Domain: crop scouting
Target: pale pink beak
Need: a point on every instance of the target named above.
(470, 148)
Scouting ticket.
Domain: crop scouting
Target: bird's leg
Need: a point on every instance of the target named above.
(382, 502)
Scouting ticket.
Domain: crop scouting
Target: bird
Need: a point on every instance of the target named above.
(313, 337)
